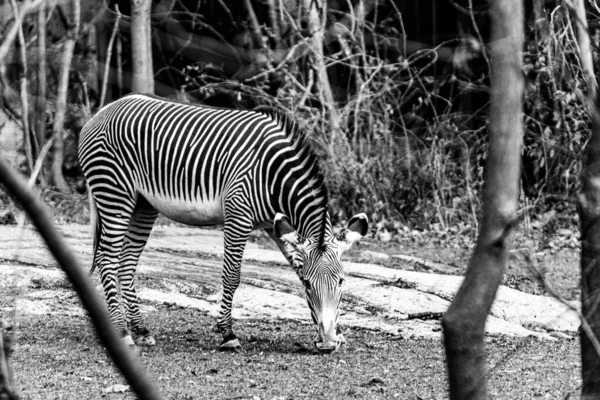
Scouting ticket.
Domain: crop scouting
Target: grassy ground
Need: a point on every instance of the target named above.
(58, 357)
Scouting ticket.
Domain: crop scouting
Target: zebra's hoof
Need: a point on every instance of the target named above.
(231, 345)
(128, 341)
(145, 340)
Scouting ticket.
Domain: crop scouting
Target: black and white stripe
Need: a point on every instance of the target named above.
(198, 165)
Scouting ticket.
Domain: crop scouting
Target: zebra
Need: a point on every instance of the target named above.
(202, 165)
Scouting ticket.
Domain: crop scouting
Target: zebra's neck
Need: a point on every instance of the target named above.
(293, 180)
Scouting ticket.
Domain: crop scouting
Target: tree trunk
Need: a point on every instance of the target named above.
(58, 179)
(120, 353)
(542, 28)
(40, 92)
(583, 39)
(103, 34)
(141, 43)
(7, 391)
(27, 143)
(107, 58)
(316, 31)
(464, 322)
(589, 217)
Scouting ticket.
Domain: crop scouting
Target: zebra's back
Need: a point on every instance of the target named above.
(183, 159)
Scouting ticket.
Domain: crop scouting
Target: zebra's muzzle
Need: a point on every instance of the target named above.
(328, 340)
(328, 346)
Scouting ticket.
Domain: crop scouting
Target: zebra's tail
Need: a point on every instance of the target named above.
(95, 225)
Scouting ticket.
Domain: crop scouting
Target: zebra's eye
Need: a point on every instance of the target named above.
(341, 281)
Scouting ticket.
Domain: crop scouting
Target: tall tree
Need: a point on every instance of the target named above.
(589, 217)
(58, 148)
(141, 43)
(41, 82)
(464, 322)
(316, 20)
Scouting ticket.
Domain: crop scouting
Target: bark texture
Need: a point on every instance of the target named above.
(58, 151)
(40, 96)
(141, 43)
(589, 217)
(316, 14)
(94, 304)
(464, 322)
(7, 391)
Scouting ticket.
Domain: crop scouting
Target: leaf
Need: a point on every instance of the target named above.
(373, 382)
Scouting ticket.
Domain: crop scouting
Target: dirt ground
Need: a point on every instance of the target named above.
(532, 348)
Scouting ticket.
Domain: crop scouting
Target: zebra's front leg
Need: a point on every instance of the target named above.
(134, 317)
(236, 232)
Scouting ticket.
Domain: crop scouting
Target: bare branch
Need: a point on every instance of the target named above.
(61, 102)
(120, 353)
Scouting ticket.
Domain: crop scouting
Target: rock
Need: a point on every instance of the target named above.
(376, 298)
(430, 265)
(118, 388)
(29, 307)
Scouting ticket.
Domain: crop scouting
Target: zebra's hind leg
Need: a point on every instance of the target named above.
(135, 240)
(112, 232)
(236, 229)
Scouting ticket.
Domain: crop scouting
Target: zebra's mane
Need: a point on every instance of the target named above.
(313, 148)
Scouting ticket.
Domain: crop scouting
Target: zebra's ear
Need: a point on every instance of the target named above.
(357, 228)
(283, 230)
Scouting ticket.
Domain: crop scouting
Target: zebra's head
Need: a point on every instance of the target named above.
(317, 263)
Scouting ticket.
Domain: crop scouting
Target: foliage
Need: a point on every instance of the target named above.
(401, 116)
(557, 122)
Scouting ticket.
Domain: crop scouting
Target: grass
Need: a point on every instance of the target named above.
(58, 357)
